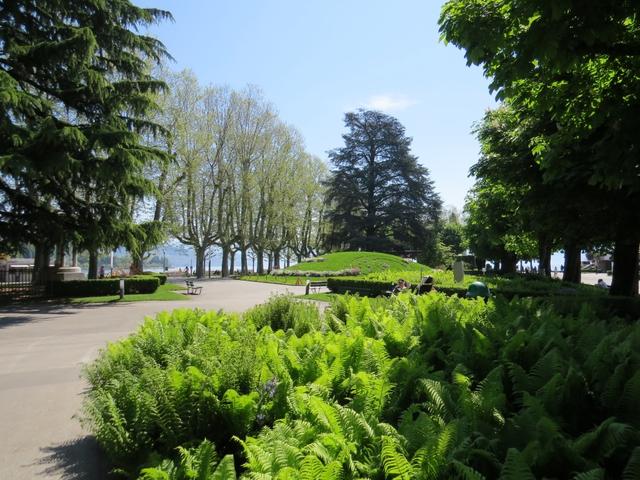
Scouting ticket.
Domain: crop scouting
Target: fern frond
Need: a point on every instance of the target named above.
(226, 469)
(632, 469)
(394, 462)
(465, 472)
(515, 468)
(595, 474)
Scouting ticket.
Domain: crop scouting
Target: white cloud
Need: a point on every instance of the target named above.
(389, 102)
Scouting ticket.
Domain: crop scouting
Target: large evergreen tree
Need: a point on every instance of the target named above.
(74, 97)
(381, 198)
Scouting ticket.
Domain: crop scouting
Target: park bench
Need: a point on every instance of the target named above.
(425, 286)
(314, 286)
(192, 289)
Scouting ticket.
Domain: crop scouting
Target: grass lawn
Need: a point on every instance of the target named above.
(168, 291)
(367, 262)
(322, 297)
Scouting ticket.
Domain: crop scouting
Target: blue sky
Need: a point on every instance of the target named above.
(316, 60)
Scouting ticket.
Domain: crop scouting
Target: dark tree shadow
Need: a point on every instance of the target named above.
(79, 459)
(20, 313)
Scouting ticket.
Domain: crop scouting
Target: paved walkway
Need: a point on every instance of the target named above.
(42, 350)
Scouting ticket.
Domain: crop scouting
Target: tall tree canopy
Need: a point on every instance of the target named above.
(241, 180)
(75, 93)
(575, 63)
(381, 198)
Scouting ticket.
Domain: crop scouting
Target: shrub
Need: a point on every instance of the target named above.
(368, 288)
(141, 284)
(282, 313)
(411, 386)
(375, 285)
(312, 260)
(161, 276)
(348, 272)
(103, 287)
(183, 376)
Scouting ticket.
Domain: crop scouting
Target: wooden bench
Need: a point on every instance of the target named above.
(192, 289)
(425, 286)
(314, 286)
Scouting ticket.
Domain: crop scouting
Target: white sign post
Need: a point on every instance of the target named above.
(458, 271)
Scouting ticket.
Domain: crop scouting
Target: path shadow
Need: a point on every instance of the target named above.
(21, 313)
(54, 307)
(79, 459)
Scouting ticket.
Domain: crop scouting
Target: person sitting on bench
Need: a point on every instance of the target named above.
(426, 285)
(400, 286)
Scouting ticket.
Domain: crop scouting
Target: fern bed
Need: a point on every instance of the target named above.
(428, 387)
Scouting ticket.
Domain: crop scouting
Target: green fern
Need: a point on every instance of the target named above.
(632, 469)
(515, 468)
(395, 463)
(198, 463)
(595, 474)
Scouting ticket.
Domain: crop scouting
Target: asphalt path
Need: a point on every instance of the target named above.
(42, 351)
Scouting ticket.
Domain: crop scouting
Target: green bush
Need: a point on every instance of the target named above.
(281, 313)
(141, 284)
(367, 288)
(103, 287)
(347, 272)
(406, 387)
(161, 276)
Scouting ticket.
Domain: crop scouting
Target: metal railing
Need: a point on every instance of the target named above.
(16, 282)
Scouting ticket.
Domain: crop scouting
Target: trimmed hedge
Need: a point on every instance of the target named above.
(161, 276)
(603, 306)
(367, 288)
(102, 287)
(375, 288)
(568, 302)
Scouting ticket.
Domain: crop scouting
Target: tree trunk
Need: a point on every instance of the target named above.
(93, 264)
(200, 253)
(625, 267)
(260, 261)
(60, 254)
(42, 257)
(232, 262)
(74, 256)
(508, 263)
(225, 261)
(137, 265)
(544, 258)
(288, 259)
(572, 264)
(276, 259)
(244, 266)
(269, 262)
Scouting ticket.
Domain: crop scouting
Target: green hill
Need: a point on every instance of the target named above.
(366, 262)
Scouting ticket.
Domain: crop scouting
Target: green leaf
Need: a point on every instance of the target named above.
(225, 470)
(515, 468)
